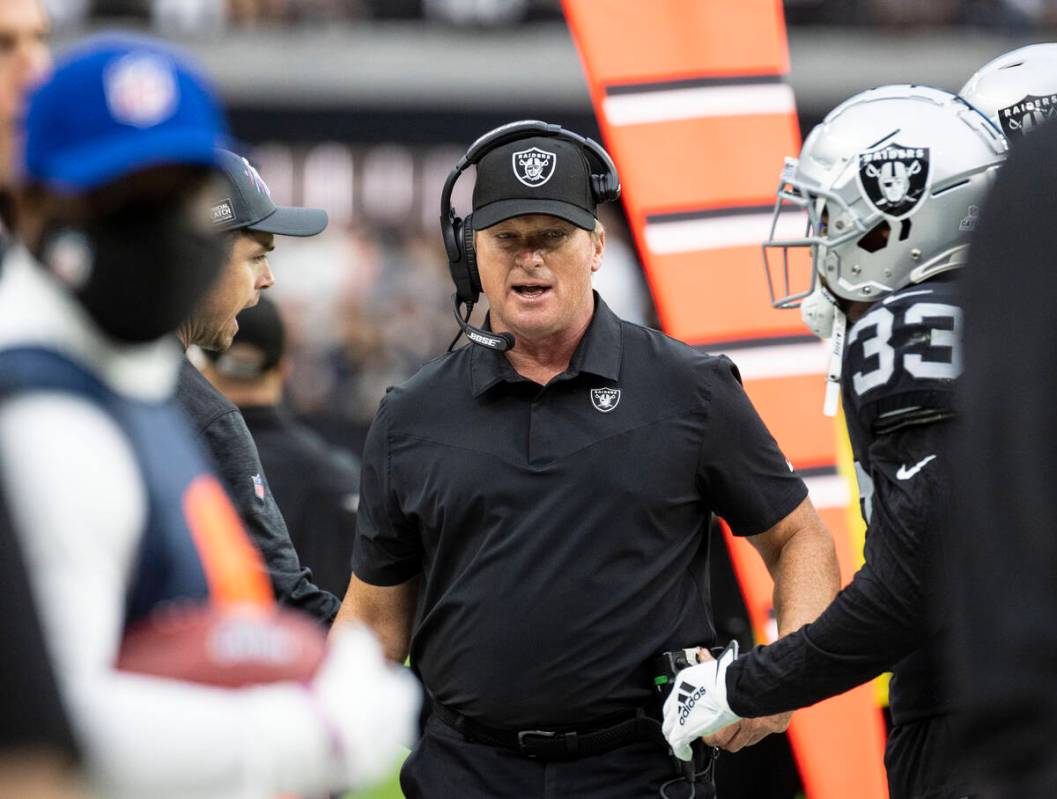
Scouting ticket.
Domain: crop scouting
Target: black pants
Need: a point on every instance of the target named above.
(444, 765)
(921, 761)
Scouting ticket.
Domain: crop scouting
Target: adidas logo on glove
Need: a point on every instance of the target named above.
(688, 697)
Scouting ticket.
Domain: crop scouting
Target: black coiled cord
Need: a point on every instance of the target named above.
(691, 779)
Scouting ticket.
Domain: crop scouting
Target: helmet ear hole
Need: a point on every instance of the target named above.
(877, 238)
(904, 230)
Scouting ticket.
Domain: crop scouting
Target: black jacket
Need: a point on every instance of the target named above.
(235, 456)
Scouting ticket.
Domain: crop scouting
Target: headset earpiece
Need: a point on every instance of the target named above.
(603, 190)
(469, 254)
(462, 259)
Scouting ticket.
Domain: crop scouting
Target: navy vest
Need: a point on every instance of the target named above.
(169, 565)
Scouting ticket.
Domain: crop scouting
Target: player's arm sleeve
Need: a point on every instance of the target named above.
(742, 473)
(78, 506)
(387, 550)
(235, 456)
(879, 618)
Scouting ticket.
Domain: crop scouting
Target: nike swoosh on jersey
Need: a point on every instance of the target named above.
(905, 474)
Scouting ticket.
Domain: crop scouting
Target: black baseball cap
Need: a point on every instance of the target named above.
(538, 175)
(258, 346)
(245, 203)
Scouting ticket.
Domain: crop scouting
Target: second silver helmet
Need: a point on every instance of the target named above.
(1018, 90)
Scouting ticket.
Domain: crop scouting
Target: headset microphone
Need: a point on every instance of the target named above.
(500, 342)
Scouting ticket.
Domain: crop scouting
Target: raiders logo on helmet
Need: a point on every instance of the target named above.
(534, 167)
(894, 178)
(1025, 115)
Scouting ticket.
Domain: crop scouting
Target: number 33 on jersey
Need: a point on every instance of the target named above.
(903, 357)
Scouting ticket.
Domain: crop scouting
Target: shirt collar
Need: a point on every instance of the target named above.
(598, 353)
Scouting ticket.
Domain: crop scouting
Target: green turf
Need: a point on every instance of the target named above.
(387, 790)
(390, 789)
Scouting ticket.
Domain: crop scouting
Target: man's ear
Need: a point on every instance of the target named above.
(599, 242)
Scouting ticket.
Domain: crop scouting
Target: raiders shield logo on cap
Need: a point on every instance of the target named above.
(534, 167)
(1024, 116)
(894, 178)
(605, 399)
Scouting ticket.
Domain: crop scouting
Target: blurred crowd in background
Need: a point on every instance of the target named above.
(205, 16)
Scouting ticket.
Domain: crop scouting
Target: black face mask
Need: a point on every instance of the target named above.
(139, 271)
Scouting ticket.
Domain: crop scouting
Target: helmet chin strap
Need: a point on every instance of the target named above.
(836, 362)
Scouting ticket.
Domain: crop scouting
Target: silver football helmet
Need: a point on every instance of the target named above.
(1018, 90)
(888, 188)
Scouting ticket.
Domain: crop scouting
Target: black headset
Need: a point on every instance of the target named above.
(458, 233)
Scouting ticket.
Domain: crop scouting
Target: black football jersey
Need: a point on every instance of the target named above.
(901, 361)
(900, 366)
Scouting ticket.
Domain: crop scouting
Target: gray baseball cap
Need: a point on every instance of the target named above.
(245, 203)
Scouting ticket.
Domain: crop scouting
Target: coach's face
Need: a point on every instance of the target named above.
(24, 58)
(536, 272)
(247, 272)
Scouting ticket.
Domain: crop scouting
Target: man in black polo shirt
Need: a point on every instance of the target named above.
(243, 207)
(528, 518)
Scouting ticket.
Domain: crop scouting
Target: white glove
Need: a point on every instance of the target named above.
(370, 707)
(697, 704)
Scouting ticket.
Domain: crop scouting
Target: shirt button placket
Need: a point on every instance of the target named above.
(536, 431)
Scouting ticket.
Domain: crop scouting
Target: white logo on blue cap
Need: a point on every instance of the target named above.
(534, 167)
(141, 90)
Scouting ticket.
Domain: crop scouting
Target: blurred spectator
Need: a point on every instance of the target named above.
(183, 17)
(66, 13)
(206, 17)
(476, 12)
(315, 485)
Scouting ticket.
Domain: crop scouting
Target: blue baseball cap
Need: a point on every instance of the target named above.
(116, 105)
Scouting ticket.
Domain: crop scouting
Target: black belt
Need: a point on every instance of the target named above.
(557, 744)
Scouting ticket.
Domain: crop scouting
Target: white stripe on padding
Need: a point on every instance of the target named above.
(642, 108)
(781, 360)
(718, 232)
(828, 491)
